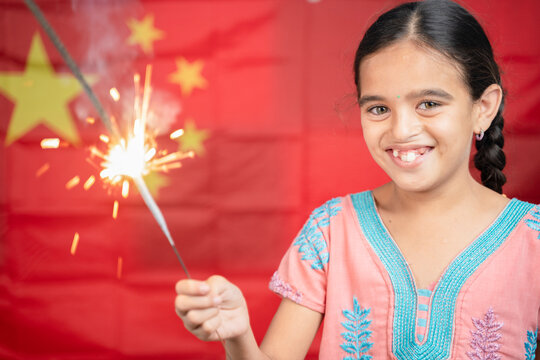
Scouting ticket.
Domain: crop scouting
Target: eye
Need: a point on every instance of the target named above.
(378, 110)
(427, 105)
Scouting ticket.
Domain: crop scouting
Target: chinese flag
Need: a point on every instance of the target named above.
(265, 95)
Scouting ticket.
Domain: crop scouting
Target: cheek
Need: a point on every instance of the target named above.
(370, 135)
(453, 131)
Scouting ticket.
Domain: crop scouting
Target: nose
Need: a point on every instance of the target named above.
(405, 125)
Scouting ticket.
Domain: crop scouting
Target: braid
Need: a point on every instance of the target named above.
(490, 158)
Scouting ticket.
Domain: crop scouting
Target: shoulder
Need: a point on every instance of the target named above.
(341, 204)
(531, 217)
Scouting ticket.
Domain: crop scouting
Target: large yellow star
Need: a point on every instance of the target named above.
(40, 96)
(188, 75)
(193, 138)
(144, 33)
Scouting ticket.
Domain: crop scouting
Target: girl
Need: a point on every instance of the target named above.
(425, 266)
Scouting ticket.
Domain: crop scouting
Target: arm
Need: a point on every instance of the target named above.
(291, 331)
(220, 308)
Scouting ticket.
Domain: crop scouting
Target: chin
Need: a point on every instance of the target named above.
(414, 185)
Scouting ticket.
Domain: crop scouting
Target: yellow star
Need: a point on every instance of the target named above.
(192, 138)
(188, 75)
(40, 96)
(155, 181)
(144, 33)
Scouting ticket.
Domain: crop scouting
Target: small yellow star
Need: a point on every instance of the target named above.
(188, 75)
(41, 96)
(193, 138)
(155, 181)
(144, 33)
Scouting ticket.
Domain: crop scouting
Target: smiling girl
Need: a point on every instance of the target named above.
(432, 265)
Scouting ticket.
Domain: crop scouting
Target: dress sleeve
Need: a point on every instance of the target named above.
(301, 275)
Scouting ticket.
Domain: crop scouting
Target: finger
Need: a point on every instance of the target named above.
(185, 303)
(194, 319)
(218, 284)
(228, 294)
(192, 287)
(208, 330)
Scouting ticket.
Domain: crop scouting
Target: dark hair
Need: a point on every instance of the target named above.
(451, 30)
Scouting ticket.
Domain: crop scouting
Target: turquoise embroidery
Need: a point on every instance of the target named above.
(310, 240)
(530, 345)
(535, 223)
(440, 329)
(356, 338)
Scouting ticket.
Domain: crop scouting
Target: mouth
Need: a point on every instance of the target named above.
(410, 156)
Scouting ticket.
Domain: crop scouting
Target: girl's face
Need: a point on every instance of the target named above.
(417, 116)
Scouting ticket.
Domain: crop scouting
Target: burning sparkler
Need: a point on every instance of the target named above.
(134, 156)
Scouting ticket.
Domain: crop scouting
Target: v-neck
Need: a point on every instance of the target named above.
(438, 340)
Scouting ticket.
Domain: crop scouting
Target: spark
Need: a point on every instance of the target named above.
(43, 169)
(90, 120)
(119, 267)
(74, 181)
(114, 94)
(50, 143)
(75, 243)
(104, 138)
(176, 134)
(115, 209)
(125, 188)
(89, 182)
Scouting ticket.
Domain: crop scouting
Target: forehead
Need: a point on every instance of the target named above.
(406, 66)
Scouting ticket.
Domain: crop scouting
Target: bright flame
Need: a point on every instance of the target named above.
(135, 155)
(50, 143)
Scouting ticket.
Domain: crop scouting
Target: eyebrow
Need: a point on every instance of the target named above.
(440, 93)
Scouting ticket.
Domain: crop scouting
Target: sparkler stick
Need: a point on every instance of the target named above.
(158, 215)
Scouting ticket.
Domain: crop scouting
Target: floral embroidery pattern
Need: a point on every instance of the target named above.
(535, 223)
(356, 338)
(310, 240)
(484, 339)
(284, 289)
(530, 345)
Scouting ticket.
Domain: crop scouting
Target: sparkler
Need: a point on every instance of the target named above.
(130, 157)
(138, 148)
(135, 155)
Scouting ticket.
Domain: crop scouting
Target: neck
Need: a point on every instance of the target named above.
(464, 190)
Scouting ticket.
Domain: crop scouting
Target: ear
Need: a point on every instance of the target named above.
(486, 107)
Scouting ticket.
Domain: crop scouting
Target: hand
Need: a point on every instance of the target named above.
(212, 310)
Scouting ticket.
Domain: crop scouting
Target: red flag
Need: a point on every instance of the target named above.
(265, 95)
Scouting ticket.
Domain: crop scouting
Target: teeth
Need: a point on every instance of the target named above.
(408, 156)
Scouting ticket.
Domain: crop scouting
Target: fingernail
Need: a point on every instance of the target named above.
(204, 288)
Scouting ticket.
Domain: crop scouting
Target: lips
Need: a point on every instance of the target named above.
(408, 155)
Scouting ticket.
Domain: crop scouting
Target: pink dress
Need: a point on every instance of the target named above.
(344, 264)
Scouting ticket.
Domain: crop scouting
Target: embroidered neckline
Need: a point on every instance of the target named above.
(438, 340)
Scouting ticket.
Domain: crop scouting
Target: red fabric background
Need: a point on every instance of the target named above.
(284, 136)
